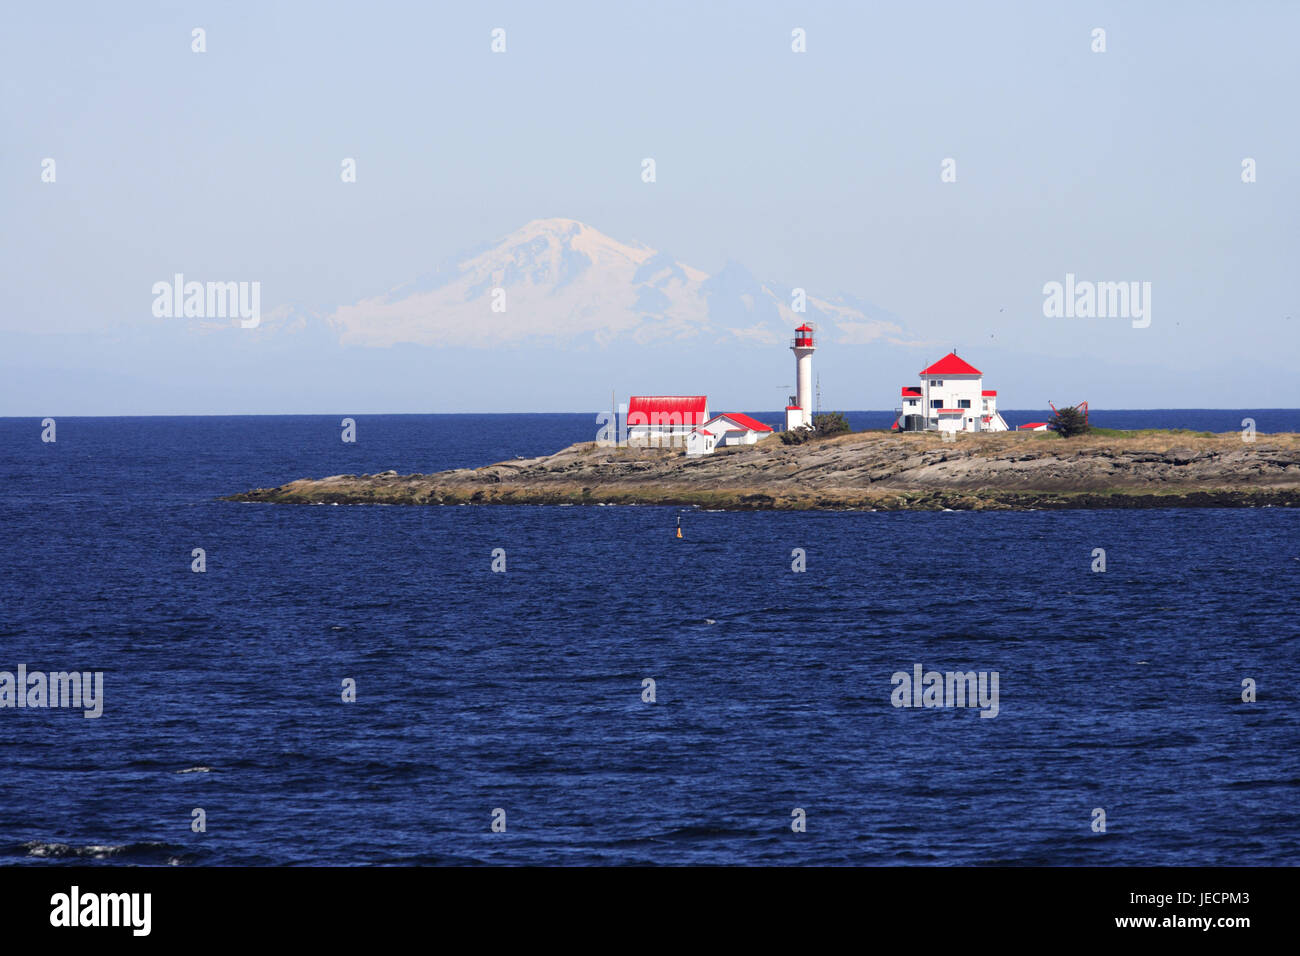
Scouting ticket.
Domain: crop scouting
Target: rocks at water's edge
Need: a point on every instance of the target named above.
(865, 470)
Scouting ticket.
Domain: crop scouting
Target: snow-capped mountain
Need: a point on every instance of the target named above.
(561, 280)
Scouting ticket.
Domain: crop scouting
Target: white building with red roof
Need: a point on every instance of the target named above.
(729, 428)
(735, 428)
(665, 417)
(682, 421)
(950, 398)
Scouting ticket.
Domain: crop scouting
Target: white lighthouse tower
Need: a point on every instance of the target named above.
(799, 414)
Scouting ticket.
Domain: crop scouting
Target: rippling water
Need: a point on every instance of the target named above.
(523, 690)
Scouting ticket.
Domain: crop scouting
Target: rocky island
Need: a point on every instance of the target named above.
(862, 470)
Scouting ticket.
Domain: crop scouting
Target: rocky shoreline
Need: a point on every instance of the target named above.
(861, 471)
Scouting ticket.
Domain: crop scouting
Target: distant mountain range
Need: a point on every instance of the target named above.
(585, 316)
(558, 280)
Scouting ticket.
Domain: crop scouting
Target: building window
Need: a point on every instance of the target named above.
(963, 403)
(936, 382)
(936, 403)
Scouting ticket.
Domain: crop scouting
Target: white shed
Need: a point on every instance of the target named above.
(701, 442)
(735, 428)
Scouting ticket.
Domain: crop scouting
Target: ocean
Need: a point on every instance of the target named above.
(517, 697)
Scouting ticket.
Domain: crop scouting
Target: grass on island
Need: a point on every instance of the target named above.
(1149, 432)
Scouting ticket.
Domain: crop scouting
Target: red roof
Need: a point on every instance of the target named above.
(744, 421)
(654, 407)
(703, 431)
(804, 328)
(950, 364)
(911, 390)
(952, 411)
(1034, 425)
(792, 408)
(988, 392)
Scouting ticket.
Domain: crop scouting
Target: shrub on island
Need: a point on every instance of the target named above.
(823, 426)
(1068, 422)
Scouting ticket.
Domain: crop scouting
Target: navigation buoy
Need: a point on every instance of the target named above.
(679, 526)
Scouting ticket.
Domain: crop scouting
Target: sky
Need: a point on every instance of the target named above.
(821, 169)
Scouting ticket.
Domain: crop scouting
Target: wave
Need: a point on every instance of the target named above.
(146, 852)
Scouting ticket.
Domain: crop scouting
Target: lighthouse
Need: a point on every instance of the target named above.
(799, 412)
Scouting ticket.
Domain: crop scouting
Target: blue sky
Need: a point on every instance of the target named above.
(819, 168)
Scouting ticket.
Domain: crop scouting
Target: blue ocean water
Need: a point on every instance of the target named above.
(523, 691)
